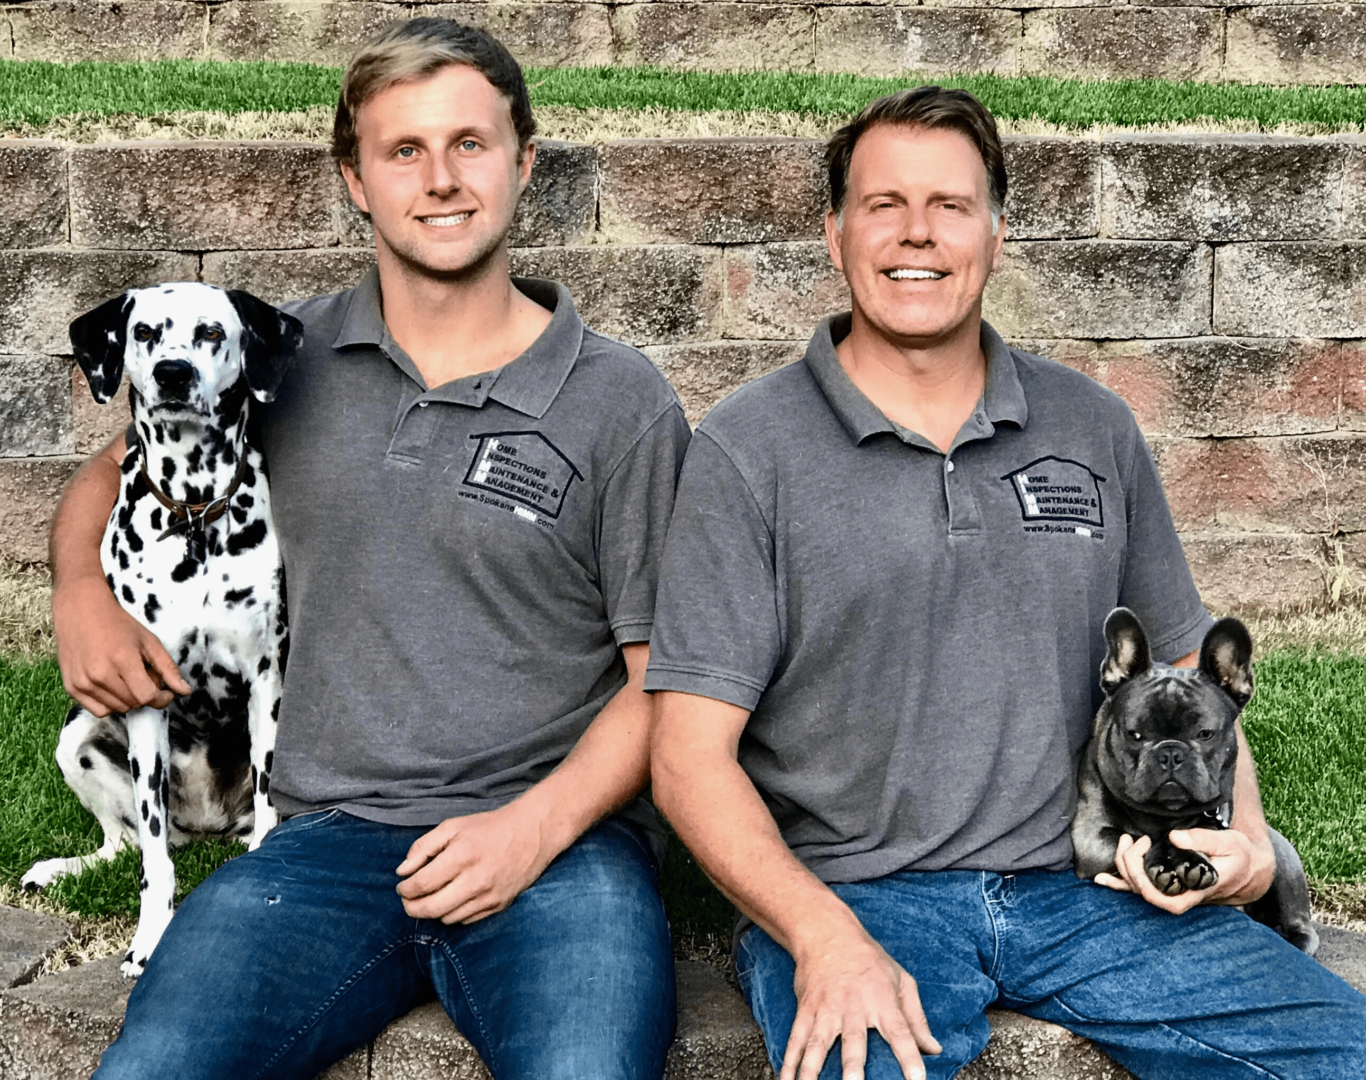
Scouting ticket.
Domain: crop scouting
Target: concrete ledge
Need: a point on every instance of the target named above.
(57, 1027)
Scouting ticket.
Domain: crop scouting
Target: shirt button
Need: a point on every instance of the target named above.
(423, 404)
(948, 467)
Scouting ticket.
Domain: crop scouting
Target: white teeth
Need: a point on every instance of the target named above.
(451, 219)
(914, 275)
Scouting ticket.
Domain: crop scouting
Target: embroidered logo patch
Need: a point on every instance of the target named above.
(1054, 489)
(524, 468)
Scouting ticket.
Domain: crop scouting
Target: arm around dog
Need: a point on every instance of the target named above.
(110, 662)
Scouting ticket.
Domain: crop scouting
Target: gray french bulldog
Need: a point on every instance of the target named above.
(1162, 757)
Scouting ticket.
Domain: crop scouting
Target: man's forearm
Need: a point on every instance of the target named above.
(78, 524)
(1248, 816)
(714, 807)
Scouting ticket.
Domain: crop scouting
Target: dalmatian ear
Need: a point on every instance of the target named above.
(1226, 657)
(98, 338)
(270, 338)
(1127, 654)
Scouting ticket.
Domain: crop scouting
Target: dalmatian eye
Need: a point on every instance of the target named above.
(142, 332)
(212, 333)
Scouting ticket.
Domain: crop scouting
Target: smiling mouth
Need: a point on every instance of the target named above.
(447, 220)
(905, 274)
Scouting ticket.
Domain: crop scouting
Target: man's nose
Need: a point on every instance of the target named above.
(174, 378)
(915, 227)
(444, 178)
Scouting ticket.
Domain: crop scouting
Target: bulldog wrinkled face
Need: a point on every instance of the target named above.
(183, 349)
(1171, 740)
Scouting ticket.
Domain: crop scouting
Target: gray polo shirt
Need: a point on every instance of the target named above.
(463, 562)
(917, 634)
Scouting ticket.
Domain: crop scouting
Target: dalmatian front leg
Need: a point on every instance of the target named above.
(149, 761)
(261, 713)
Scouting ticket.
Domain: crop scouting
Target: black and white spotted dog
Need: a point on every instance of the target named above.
(189, 551)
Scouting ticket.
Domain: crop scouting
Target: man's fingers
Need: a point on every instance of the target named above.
(438, 904)
(1112, 882)
(427, 846)
(817, 1047)
(161, 664)
(853, 1050)
(914, 1014)
(796, 1042)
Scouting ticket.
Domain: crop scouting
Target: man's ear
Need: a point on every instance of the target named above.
(1000, 240)
(833, 229)
(526, 160)
(1127, 653)
(270, 338)
(354, 186)
(99, 338)
(1226, 657)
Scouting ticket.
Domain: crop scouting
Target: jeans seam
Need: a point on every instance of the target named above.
(1164, 1026)
(995, 934)
(473, 1004)
(322, 1009)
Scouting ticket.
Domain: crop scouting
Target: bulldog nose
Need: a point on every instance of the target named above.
(174, 377)
(1170, 755)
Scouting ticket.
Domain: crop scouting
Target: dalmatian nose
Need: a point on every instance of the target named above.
(174, 378)
(1170, 755)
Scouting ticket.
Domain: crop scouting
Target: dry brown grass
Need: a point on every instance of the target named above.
(25, 615)
(577, 125)
(1335, 627)
(91, 938)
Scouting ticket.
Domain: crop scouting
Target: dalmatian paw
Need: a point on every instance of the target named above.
(266, 819)
(43, 874)
(144, 942)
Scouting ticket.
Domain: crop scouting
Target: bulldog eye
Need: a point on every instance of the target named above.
(1137, 736)
(142, 332)
(1207, 733)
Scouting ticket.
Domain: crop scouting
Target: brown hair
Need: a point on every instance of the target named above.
(415, 49)
(926, 107)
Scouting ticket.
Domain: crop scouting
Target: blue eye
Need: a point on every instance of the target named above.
(469, 144)
(406, 151)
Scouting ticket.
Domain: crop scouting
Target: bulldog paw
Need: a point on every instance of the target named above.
(1181, 871)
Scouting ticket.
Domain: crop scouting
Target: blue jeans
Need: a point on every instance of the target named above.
(291, 956)
(1206, 994)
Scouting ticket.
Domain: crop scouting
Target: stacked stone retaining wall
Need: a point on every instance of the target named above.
(1270, 42)
(1217, 283)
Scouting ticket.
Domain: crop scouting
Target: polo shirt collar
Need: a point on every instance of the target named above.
(1003, 398)
(528, 384)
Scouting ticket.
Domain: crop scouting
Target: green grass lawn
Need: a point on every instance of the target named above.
(35, 92)
(1306, 724)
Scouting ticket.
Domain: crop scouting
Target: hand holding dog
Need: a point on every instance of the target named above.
(110, 662)
(468, 868)
(1245, 868)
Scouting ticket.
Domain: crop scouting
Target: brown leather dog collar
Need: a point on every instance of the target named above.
(193, 515)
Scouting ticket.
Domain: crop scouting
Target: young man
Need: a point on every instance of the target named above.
(463, 735)
(876, 672)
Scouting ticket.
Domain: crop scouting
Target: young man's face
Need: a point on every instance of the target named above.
(439, 170)
(916, 201)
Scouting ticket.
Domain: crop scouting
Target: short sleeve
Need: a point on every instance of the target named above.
(633, 521)
(1157, 584)
(717, 632)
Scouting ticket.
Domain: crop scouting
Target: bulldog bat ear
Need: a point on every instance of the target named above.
(1226, 657)
(98, 338)
(270, 338)
(1127, 653)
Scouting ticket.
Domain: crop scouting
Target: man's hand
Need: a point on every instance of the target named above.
(1245, 868)
(845, 985)
(468, 868)
(110, 662)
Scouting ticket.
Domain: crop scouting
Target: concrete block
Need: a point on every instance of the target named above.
(70, 30)
(1226, 387)
(1083, 356)
(56, 1028)
(1353, 414)
(1100, 289)
(641, 295)
(42, 291)
(705, 373)
(93, 425)
(1301, 43)
(32, 193)
(35, 407)
(715, 36)
(781, 290)
(545, 35)
(712, 191)
(1222, 187)
(1054, 189)
(277, 276)
(885, 40)
(1303, 484)
(1123, 43)
(311, 31)
(559, 205)
(1237, 571)
(201, 196)
(1354, 190)
(29, 488)
(1300, 289)
(27, 938)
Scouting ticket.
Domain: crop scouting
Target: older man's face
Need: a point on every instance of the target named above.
(916, 242)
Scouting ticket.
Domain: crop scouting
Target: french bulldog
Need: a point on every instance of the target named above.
(1162, 756)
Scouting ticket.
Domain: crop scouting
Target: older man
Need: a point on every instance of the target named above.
(877, 665)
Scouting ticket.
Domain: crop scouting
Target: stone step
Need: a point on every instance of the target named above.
(55, 1028)
(26, 940)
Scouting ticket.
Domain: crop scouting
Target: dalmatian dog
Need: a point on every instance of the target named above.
(190, 552)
